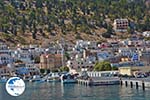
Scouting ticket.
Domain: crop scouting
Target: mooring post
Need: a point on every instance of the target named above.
(121, 82)
(136, 85)
(131, 84)
(126, 83)
(143, 85)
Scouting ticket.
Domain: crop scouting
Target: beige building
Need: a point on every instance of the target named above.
(130, 70)
(121, 25)
(50, 61)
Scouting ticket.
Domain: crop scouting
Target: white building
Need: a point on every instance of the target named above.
(80, 44)
(104, 55)
(7, 71)
(4, 49)
(102, 73)
(123, 51)
(81, 64)
(146, 34)
(121, 25)
(5, 59)
(23, 55)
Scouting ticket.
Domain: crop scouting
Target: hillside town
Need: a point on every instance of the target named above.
(74, 49)
(131, 54)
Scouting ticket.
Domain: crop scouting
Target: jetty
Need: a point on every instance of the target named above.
(97, 81)
(128, 82)
(136, 82)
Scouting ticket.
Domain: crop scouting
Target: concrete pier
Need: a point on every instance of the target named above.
(99, 81)
(136, 82)
(84, 82)
(132, 82)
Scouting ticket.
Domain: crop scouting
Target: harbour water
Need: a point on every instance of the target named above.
(57, 91)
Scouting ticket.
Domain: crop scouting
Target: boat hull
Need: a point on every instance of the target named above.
(70, 81)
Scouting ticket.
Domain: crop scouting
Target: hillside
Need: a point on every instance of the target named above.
(34, 21)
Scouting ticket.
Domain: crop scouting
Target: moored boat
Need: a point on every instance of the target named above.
(68, 78)
(36, 78)
(53, 77)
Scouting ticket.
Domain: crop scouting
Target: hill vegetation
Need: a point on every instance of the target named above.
(28, 21)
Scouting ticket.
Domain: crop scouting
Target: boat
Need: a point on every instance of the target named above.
(68, 78)
(53, 77)
(3, 80)
(37, 78)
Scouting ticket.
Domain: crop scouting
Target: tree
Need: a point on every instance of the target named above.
(39, 4)
(34, 31)
(67, 55)
(85, 15)
(109, 29)
(106, 35)
(114, 68)
(55, 70)
(37, 59)
(23, 24)
(102, 66)
(18, 61)
(42, 70)
(62, 69)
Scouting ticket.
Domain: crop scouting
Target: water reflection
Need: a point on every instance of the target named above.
(62, 89)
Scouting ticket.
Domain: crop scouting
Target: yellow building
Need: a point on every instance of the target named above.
(130, 70)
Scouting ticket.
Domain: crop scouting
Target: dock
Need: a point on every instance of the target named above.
(128, 82)
(136, 83)
(97, 81)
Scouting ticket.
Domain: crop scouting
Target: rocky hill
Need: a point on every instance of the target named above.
(34, 21)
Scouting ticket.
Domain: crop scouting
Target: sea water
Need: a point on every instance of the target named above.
(58, 91)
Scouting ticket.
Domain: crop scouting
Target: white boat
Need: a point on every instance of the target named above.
(52, 77)
(37, 78)
(68, 78)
